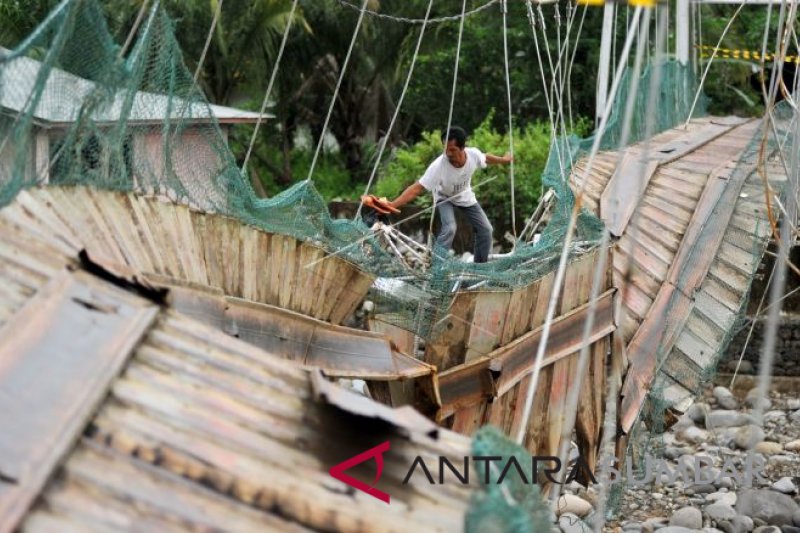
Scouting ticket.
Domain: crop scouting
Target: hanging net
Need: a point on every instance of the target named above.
(78, 109)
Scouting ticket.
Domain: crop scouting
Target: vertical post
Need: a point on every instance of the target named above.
(609, 11)
(42, 157)
(682, 34)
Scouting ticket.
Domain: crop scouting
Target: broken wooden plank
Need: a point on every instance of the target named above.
(59, 356)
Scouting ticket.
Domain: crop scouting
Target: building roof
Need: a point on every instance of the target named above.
(64, 93)
(692, 227)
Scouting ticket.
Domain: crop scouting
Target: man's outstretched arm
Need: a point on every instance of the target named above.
(408, 195)
(498, 160)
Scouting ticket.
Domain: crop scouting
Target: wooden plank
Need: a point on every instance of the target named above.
(191, 248)
(51, 383)
(308, 270)
(447, 348)
(351, 296)
(90, 201)
(704, 236)
(486, 329)
(230, 246)
(509, 364)
(249, 273)
(151, 245)
(624, 191)
(289, 273)
(207, 228)
(39, 205)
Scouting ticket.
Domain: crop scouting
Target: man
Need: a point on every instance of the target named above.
(449, 178)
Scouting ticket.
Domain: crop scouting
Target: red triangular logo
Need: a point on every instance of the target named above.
(377, 453)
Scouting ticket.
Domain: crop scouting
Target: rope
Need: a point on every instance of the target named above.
(559, 279)
(336, 90)
(214, 21)
(510, 125)
(396, 110)
(450, 112)
(270, 84)
(424, 21)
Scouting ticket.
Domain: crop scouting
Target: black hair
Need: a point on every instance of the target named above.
(456, 134)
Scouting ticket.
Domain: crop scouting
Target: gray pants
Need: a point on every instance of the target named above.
(480, 224)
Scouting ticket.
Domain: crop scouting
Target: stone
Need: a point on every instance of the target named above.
(796, 518)
(793, 404)
(785, 485)
(724, 418)
(725, 398)
(720, 511)
(697, 412)
(632, 526)
(676, 529)
(795, 417)
(748, 436)
(792, 446)
(751, 398)
(688, 517)
(722, 497)
(693, 435)
(790, 529)
(774, 416)
(574, 505)
(738, 524)
(767, 529)
(765, 504)
(570, 523)
(768, 448)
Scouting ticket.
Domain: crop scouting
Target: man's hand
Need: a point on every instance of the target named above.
(497, 160)
(411, 192)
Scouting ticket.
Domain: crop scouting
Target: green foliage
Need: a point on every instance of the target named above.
(492, 185)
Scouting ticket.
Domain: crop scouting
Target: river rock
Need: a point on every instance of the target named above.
(768, 448)
(720, 511)
(688, 517)
(748, 436)
(725, 398)
(572, 504)
(785, 485)
(765, 504)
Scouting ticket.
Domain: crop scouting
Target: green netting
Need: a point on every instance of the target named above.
(80, 110)
(515, 505)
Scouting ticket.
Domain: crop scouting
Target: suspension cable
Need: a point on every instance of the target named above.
(269, 85)
(211, 29)
(396, 110)
(424, 21)
(559, 278)
(510, 124)
(336, 90)
(450, 111)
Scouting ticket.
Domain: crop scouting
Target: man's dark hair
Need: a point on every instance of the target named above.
(456, 134)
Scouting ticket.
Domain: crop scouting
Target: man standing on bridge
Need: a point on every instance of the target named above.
(449, 177)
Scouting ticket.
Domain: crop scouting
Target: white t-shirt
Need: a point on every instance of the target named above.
(447, 181)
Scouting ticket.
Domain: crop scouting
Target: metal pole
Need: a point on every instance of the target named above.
(609, 10)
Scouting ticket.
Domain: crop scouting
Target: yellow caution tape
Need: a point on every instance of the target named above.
(727, 53)
(634, 3)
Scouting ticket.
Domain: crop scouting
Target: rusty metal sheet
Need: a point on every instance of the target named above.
(58, 358)
(406, 418)
(502, 369)
(337, 350)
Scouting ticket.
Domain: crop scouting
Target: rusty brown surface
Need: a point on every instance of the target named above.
(496, 373)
